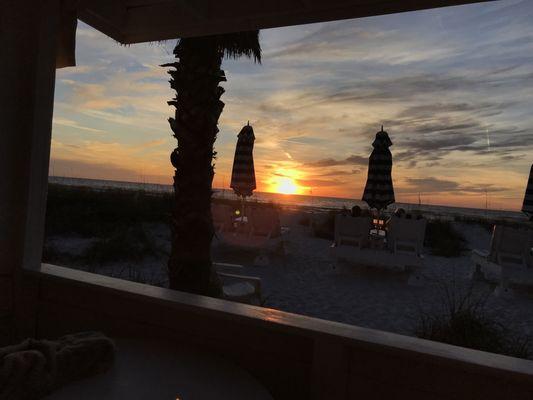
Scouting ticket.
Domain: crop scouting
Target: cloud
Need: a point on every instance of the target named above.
(404, 87)
(423, 110)
(439, 145)
(142, 159)
(341, 173)
(325, 41)
(313, 183)
(74, 124)
(97, 170)
(437, 185)
(91, 96)
(330, 162)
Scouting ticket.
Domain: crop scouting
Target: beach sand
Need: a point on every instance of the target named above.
(306, 281)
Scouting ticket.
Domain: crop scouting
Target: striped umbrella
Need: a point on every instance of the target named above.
(243, 173)
(379, 192)
(527, 206)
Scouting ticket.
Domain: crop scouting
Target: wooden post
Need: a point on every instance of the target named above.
(27, 80)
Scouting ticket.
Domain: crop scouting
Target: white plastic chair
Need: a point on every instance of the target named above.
(509, 259)
(351, 231)
(406, 236)
(509, 246)
(265, 222)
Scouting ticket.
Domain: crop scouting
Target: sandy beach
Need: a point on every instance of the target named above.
(305, 280)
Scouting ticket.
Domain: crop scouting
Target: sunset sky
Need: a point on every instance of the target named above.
(453, 87)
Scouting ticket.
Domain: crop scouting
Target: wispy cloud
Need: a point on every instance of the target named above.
(436, 185)
(330, 162)
(73, 124)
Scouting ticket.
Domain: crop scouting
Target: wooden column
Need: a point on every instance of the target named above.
(27, 79)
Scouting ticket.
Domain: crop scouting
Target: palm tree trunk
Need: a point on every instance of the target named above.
(198, 106)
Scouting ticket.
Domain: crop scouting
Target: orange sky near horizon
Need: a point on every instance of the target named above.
(290, 179)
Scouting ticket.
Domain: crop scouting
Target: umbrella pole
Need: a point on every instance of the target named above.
(378, 219)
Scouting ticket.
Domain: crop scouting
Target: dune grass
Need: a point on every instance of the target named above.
(464, 320)
(443, 240)
(114, 218)
(129, 244)
(101, 213)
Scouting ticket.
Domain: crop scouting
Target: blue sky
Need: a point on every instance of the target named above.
(453, 87)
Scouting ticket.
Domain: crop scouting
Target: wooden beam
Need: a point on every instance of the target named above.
(106, 16)
(146, 21)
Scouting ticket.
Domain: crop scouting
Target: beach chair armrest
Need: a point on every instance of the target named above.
(254, 280)
(268, 236)
(351, 240)
(510, 258)
(480, 253)
(228, 268)
(409, 246)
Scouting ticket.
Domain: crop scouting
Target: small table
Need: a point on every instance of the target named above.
(159, 371)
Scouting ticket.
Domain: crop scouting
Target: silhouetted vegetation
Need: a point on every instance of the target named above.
(114, 218)
(123, 245)
(102, 213)
(444, 240)
(488, 223)
(464, 321)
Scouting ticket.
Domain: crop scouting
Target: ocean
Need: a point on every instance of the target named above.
(319, 202)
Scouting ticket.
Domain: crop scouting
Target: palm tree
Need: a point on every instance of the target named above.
(195, 78)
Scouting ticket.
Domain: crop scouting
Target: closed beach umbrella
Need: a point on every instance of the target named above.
(527, 206)
(243, 173)
(379, 192)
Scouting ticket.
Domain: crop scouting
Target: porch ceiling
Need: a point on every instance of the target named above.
(133, 21)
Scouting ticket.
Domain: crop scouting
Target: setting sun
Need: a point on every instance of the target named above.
(285, 180)
(285, 185)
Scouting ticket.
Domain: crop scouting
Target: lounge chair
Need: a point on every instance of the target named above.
(317, 220)
(406, 236)
(404, 253)
(265, 222)
(262, 231)
(509, 260)
(352, 231)
(238, 287)
(405, 239)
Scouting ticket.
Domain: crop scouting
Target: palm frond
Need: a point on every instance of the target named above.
(240, 44)
(233, 45)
